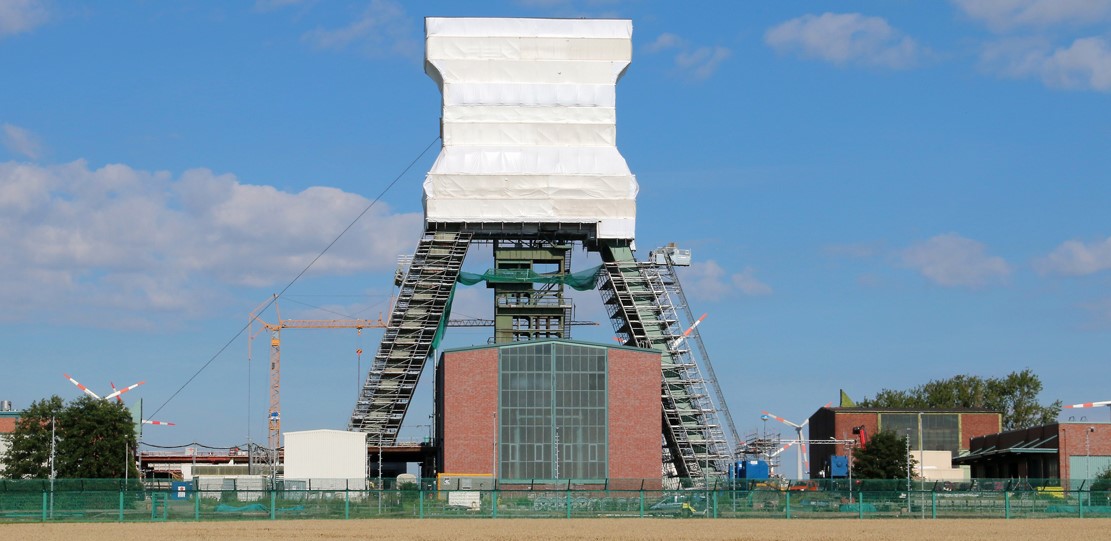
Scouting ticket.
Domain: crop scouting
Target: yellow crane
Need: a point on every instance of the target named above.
(274, 417)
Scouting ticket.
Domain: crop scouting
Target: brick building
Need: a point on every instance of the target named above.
(950, 430)
(1070, 450)
(549, 409)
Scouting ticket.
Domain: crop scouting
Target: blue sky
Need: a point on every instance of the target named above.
(876, 196)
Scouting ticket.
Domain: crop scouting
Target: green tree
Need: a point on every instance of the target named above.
(885, 457)
(1015, 396)
(1101, 487)
(94, 439)
(98, 441)
(28, 455)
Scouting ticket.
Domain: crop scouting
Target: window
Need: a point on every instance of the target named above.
(552, 394)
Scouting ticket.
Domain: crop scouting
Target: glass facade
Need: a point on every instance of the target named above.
(940, 431)
(552, 414)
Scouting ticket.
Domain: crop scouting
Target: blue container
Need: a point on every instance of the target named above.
(751, 469)
(838, 466)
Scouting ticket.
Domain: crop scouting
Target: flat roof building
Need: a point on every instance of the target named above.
(549, 409)
(1068, 450)
(949, 430)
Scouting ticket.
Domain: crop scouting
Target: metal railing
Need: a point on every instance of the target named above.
(94, 500)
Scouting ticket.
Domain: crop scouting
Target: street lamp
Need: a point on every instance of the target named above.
(1088, 452)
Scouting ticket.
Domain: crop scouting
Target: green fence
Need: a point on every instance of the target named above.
(133, 501)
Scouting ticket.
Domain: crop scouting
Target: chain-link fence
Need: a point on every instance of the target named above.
(100, 500)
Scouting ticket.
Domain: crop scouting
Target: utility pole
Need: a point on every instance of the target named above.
(53, 472)
(908, 470)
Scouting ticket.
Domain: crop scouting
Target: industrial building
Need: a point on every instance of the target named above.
(8, 418)
(549, 409)
(530, 167)
(1065, 450)
(936, 435)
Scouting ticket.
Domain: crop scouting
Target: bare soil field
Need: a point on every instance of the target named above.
(617, 529)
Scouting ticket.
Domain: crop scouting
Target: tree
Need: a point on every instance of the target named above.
(29, 453)
(94, 439)
(99, 437)
(885, 457)
(1015, 396)
(1101, 487)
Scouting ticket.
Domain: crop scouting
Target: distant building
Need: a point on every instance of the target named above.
(930, 431)
(1070, 450)
(8, 419)
(549, 409)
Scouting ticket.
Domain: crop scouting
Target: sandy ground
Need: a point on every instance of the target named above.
(650, 529)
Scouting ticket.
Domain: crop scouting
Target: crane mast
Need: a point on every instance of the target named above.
(274, 417)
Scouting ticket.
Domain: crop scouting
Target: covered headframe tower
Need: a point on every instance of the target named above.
(529, 126)
(529, 163)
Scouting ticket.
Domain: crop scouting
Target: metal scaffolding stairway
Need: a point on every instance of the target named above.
(637, 297)
(421, 301)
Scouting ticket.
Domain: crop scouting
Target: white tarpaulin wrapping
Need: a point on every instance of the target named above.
(529, 125)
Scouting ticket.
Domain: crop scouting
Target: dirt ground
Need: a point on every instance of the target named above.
(526, 529)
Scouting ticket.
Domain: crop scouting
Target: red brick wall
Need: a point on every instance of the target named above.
(979, 424)
(1071, 442)
(7, 424)
(845, 421)
(470, 401)
(635, 414)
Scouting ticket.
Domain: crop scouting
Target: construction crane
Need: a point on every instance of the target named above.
(274, 415)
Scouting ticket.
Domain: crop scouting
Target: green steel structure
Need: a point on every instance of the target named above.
(528, 310)
(639, 298)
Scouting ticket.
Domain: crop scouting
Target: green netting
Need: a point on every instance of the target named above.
(443, 321)
(583, 280)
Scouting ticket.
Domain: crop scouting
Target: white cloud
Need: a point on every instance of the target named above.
(382, 29)
(117, 238)
(845, 38)
(702, 62)
(20, 141)
(709, 281)
(1002, 15)
(691, 61)
(18, 16)
(747, 282)
(665, 41)
(953, 260)
(1085, 64)
(1077, 258)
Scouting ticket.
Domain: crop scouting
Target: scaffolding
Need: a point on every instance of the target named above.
(638, 299)
(414, 325)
